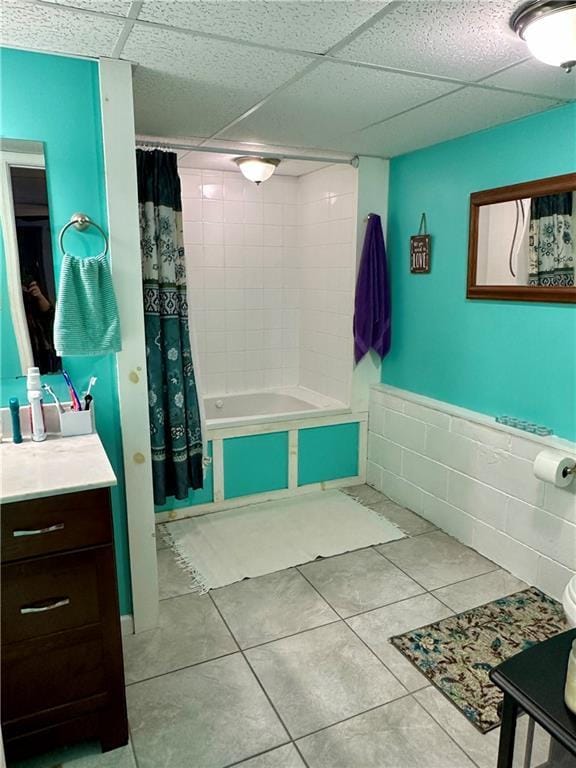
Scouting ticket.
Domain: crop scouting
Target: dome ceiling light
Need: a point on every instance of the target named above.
(548, 27)
(257, 169)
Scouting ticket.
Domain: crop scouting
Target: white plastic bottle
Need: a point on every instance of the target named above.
(33, 385)
(570, 689)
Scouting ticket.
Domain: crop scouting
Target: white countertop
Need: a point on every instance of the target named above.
(56, 466)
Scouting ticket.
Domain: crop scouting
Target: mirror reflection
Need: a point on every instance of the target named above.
(32, 222)
(527, 242)
(30, 281)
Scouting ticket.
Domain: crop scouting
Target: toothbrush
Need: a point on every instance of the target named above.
(47, 388)
(88, 397)
(93, 380)
(76, 406)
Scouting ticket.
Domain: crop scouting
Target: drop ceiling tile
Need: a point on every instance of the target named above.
(212, 161)
(467, 111)
(466, 40)
(308, 25)
(60, 30)
(190, 86)
(533, 77)
(333, 99)
(237, 147)
(113, 7)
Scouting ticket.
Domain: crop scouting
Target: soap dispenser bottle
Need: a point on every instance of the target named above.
(34, 388)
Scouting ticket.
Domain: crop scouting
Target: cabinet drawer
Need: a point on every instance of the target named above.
(50, 594)
(55, 524)
(47, 678)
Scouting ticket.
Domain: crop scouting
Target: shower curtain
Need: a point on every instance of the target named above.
(551, 247)
(175, 423)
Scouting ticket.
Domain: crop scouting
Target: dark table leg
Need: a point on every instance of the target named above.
(507, 732)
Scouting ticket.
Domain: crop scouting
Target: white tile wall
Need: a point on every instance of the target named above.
(244, 299)
(327, 219)
(271, 274)
(474, 480)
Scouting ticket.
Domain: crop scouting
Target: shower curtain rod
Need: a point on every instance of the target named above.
(353, 161)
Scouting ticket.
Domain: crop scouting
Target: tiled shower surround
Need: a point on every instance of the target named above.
(271, 278)
(327, 230)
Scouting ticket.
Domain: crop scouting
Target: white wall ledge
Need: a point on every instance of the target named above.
(440, 406)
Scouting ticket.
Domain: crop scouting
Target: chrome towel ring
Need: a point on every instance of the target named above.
(82, 221)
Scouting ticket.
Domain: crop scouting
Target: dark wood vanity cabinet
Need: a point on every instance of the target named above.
(61, 646)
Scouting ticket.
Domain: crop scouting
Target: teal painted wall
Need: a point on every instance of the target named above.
(56, 100)
(327, 453)
(255, 464)
(490, 356)
(203, 496)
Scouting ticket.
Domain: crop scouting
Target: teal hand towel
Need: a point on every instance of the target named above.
(86, 320)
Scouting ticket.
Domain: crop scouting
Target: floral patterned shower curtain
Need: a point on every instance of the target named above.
(175, 426)
(551, 247)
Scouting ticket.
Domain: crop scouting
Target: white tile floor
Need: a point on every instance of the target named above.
(294, 669)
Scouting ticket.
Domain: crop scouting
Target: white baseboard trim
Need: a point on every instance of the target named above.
(127, 624)
(257, 498)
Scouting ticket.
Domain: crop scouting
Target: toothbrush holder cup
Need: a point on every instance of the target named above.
(74, 423)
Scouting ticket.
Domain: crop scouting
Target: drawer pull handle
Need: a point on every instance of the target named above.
(38, 531)
(59, 602)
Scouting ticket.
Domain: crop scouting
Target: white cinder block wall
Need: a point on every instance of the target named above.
(271, 272)
(327, 218)
(241, 254)
(474, 480)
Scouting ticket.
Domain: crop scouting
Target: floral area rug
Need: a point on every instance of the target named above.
(456, 654)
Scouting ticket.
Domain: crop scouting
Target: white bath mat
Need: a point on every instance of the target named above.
(225, 547)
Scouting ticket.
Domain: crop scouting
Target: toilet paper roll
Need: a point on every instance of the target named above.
(551, 467)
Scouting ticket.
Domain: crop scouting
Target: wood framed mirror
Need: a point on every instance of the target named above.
(522, 242)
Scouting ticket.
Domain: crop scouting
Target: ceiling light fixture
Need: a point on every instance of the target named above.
(549, 29)
(257, 169)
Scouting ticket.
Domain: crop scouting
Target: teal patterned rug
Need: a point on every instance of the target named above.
(456, 654)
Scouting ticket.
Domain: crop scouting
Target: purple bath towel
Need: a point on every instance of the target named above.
(372, 304)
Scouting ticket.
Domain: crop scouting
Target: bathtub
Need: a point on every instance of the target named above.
(267, 406)
(274, 444)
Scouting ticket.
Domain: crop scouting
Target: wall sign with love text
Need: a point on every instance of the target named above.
(420, 249)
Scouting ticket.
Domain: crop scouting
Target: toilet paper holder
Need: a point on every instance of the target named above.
(553, 466)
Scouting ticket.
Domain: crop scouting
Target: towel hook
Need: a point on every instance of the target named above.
(82, 221)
